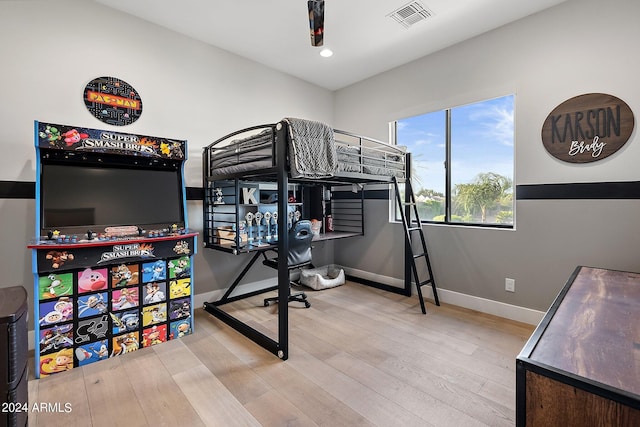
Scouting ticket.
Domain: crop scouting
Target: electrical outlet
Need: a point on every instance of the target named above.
(509, 285)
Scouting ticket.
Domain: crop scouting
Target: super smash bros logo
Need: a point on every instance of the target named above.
(112, 140)
(128, 251)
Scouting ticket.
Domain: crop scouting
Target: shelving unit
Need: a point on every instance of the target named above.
(241, 216)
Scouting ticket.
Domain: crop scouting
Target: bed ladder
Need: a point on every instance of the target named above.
(409, 214)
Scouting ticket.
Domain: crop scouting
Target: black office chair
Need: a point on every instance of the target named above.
(300, 237)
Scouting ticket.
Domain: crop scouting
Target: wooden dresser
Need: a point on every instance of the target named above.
(581, 366)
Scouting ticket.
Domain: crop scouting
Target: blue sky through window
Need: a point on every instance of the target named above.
(481, 141)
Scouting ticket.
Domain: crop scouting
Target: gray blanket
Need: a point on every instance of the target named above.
(312, 149)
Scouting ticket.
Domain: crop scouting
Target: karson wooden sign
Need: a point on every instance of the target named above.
(587, 128)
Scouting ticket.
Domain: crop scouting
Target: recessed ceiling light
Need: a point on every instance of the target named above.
(326, 53)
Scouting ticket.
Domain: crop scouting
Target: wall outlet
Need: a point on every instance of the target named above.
(509, 285)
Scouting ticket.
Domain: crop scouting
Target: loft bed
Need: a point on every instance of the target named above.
(314, 155)
(313, 151)
(269, 168)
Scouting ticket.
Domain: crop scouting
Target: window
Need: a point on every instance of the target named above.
(476, 141)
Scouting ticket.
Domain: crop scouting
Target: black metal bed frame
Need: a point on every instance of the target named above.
(280, 347)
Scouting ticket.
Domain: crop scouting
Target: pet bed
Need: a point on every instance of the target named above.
(328, 276)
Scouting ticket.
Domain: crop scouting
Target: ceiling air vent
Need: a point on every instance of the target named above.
(411, 13)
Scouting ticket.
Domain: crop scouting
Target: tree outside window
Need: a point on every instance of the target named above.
(470, 147)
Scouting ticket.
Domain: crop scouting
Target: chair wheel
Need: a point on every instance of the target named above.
(266, 303)
(307, 304)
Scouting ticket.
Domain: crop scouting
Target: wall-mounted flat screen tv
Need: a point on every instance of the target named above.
(93, 197)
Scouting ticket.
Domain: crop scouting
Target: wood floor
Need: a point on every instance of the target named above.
(358, 357)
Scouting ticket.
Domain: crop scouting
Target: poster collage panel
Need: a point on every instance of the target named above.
(95, 313)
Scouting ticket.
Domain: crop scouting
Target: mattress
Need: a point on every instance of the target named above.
(256, 152)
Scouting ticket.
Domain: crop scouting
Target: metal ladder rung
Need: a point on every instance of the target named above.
(407, 221)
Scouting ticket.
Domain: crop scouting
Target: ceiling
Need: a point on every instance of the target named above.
(364, 38)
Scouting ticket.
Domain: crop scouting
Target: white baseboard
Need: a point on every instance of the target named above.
(483, 305)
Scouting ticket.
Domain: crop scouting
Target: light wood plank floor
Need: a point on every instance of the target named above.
(358, 357)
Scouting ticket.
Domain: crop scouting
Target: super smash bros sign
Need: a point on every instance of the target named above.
(73, 138)
(587, 128)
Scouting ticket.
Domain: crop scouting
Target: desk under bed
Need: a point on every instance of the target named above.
(289, 167)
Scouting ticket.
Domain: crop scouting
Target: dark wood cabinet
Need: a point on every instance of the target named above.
(13, 356)
(581, 366)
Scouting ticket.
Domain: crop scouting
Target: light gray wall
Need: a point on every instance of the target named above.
(51, 49)
(578, 47)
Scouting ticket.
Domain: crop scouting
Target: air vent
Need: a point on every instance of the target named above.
(411, 13)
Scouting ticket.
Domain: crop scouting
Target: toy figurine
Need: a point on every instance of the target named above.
(258, 222)
(249, 218)
(289, 220)
(219, 199)
(267, 221)
(275, 223)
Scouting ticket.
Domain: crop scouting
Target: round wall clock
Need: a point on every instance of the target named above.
(112, 101)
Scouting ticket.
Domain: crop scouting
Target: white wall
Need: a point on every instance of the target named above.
(578, 47)
(51, 49)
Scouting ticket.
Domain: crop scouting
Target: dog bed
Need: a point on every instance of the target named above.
(328, 276)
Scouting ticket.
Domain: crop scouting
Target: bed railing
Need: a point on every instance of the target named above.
(253, 149)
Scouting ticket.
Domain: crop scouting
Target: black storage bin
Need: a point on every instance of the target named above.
(14, 354)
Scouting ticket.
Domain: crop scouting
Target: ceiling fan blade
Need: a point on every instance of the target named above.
(316, 21)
